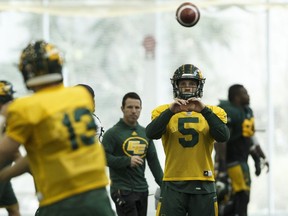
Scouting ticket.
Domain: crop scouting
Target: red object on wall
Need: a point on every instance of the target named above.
(149, 44)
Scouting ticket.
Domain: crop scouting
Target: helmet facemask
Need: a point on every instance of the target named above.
(187, 88)
(187, 72)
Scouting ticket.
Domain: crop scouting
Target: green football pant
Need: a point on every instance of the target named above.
(174, 203)
(92, 203)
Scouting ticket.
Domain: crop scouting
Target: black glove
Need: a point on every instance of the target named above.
(257, 168)
(257, 163)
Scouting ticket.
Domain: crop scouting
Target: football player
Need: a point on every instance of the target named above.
(99, 127)
(21, 164)
(8, 199)
(57, 129)
(188, 129)
(232, 156)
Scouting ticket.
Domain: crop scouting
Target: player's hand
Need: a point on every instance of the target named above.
(136, 161)
(195, 104)
(179, 105)
(257, 169)
(192, 104)
(265, 163)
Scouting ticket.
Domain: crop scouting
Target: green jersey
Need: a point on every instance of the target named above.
(120, 143)
(241, 125)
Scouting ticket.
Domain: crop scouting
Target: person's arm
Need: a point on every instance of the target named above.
(19, 167)
(8, 150)
(257, 162)
(220, 156)
(114, 161)
(156, 128)
(258, 155)
(154, 164)
(218, 129)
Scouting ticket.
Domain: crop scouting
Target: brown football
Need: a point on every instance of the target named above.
(187, 14)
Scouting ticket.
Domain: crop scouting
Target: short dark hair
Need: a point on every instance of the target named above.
(233, 91)
(131, 95)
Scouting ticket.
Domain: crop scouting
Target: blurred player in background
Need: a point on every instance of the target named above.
(99, 127)
(57, 129)
(188, 129)
(232, 156)
(8, 199)
(127, 150)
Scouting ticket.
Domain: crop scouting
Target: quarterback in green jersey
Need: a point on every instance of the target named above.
(127, 150)
(57, 129)
(188, 129)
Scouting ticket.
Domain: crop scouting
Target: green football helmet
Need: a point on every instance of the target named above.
(41, 63)
(186, 72)
(6, 91)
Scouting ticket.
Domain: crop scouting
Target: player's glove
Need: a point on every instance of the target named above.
(257, 163)
(264, 163)
(256, 149)
(257, 168)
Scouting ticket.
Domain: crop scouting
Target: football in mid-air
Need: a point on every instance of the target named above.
(187, 14)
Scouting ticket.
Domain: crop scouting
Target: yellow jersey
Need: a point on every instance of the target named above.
(188, 145)
(57, 129)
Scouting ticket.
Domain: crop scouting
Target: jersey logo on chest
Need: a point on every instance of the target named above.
(135, 145)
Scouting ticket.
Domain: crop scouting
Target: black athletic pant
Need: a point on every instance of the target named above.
(130, 203)
(241, 200)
